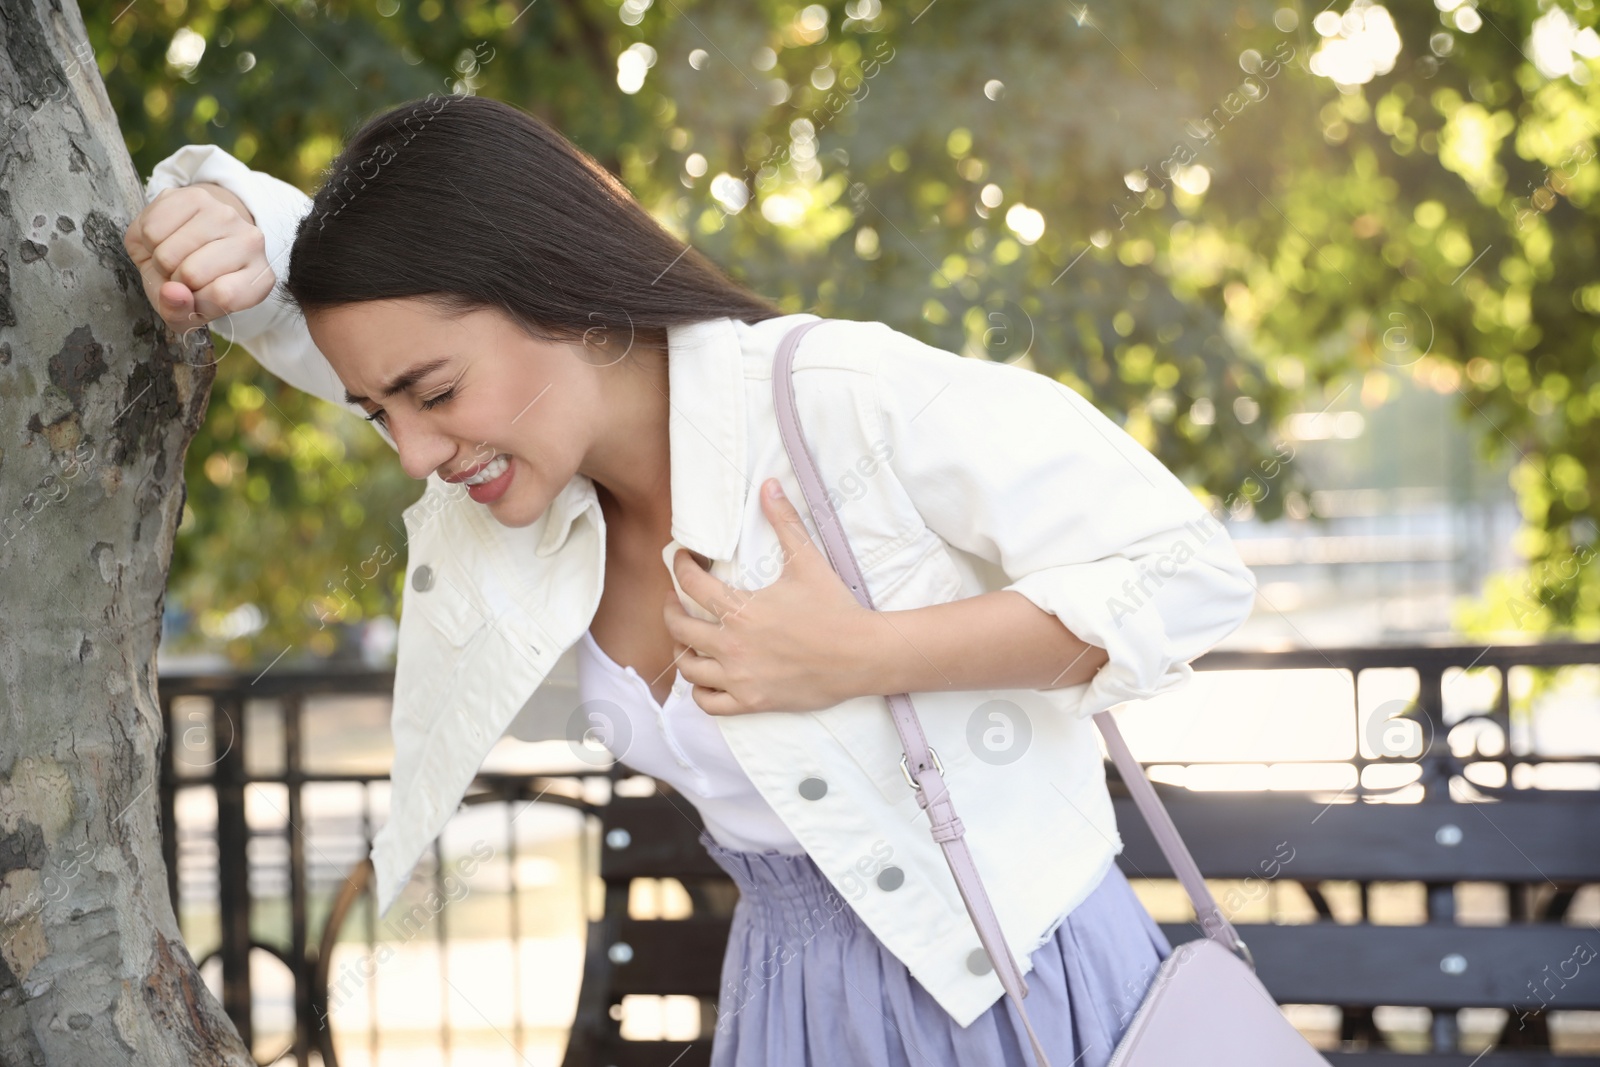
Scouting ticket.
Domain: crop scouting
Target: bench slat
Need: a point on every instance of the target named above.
(698, 1054)
(659, 1054)
(672, 956)
(1359, 965)
(1249, 835)
(1363, 965)
(662, 842)
(1259, 835)
(1510, 1058)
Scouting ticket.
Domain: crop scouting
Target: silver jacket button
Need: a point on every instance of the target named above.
(813, 788)
(422, 578)
(978, 961)
(891, 878)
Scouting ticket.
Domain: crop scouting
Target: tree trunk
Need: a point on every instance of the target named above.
(97, 407)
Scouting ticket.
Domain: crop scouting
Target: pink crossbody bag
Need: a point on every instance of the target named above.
(1205, 1007)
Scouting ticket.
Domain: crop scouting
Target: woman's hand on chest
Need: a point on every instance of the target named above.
(792, 645)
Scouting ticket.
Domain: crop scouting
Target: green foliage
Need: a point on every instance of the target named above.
(1008, 179)
(292, 506)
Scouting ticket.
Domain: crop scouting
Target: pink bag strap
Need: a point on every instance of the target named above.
(924, 772)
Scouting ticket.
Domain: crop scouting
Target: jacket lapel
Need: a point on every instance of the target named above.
(707, 429)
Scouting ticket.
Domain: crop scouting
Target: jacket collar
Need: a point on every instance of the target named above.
(706, 430)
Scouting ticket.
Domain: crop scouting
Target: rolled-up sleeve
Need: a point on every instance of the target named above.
(273, 331)
(1016, 468)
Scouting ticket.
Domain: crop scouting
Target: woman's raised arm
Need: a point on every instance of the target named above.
(181, 238)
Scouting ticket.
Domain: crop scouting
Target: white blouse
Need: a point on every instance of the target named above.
(680, 744)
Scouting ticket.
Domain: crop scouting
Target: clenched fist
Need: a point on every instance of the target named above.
(200, 254)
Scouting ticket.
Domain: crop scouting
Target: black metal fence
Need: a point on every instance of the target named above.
(267, 887)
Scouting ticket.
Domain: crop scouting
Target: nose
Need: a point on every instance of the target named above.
(422, 449)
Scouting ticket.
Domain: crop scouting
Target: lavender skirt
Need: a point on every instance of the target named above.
(843, 998)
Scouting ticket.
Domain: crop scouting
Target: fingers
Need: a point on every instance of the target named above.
(670, 610)
(163, 235)
(175, 302)
(707, 591)
(685, 630)
(198, 258)
(222, 274)
(785, 519)
(225, 284)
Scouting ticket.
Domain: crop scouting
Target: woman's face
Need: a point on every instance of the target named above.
(490, 400)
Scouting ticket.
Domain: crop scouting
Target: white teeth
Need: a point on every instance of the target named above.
(495, 469)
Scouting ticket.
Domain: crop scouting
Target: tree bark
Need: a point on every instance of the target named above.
(97, 407)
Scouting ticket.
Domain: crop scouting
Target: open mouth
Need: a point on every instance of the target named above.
(491, 470)
(490, 483)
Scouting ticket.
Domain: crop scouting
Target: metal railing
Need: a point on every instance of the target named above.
(229, 734)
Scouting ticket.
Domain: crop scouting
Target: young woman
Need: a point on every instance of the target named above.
(590, 402)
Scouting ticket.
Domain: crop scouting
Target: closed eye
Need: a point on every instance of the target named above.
(432, 402)
(426, 405)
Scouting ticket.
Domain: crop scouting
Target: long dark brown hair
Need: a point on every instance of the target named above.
(473, 204)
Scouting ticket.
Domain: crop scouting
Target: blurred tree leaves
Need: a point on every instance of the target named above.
(1160, 205)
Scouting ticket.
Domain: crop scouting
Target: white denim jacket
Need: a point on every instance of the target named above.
(953, 476)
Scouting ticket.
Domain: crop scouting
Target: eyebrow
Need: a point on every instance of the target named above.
(403, 381)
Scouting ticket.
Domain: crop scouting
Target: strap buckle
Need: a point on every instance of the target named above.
(905, 767)
(1242, 950)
